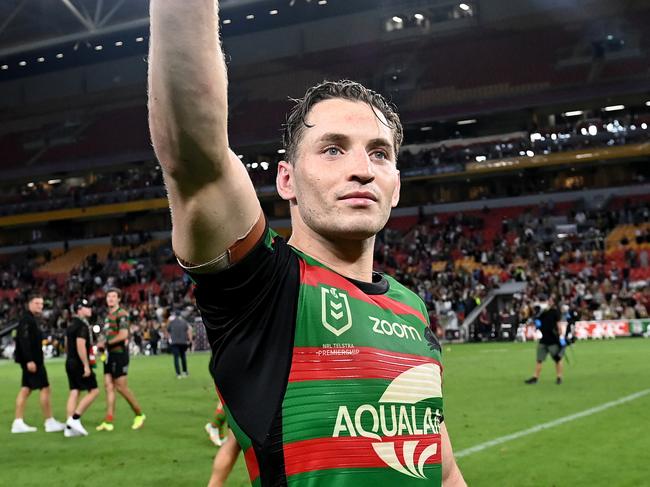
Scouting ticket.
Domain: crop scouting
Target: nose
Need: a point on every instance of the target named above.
(361, 167)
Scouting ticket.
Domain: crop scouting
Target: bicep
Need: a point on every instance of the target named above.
(208, 219)
(81, 345)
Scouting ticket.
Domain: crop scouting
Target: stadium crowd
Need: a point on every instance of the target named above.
(148, 295)
(451, 261)
(452, 155)
(451, 264)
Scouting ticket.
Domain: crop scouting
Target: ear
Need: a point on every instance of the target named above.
(284, 181)
(396, 191)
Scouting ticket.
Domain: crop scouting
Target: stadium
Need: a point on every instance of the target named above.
(523, 183)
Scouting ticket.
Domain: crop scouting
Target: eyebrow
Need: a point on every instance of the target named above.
(331, 137)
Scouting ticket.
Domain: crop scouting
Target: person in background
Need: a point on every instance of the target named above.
(29, 354)
(217, 427)
(78, 366)
(553, 342)
(116, 331)
(180, 339)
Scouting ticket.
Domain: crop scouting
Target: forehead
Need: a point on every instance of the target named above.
(356, 119)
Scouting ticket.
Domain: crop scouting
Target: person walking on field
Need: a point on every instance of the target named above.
(115, 343)
(553, 341)
(29, 354)
(78, 367)
(180, 339)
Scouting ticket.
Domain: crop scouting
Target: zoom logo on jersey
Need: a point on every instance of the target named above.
(335, 310)
(396, 422)
(383, 327)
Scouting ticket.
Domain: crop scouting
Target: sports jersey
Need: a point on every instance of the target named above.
(114, 322)
(326, 380)
(78, 328)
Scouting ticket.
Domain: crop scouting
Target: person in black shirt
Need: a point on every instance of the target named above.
(552, 342)
(81, 377)
(29, 354)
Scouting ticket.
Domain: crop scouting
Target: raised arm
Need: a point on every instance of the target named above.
(212, 200)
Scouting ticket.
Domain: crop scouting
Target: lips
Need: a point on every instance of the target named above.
(360, 195)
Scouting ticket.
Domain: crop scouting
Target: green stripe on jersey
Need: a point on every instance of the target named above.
(311, 410)
(364, 477)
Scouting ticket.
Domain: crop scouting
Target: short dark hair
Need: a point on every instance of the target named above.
(34, 295)
(114, 290)
(327, 90)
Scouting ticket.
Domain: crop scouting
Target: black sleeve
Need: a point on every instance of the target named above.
(83, 332)
(24, 340)
(249, 314)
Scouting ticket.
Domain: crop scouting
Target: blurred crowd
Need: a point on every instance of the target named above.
(452, 155)
(148, 295)
(452, 261)
(453, 264)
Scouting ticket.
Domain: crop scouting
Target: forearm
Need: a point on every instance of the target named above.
(120, 337)
(187, 90)
(454, 478)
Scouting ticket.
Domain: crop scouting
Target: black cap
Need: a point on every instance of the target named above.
(81, 303)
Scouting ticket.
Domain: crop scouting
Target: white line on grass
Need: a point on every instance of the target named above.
(550, 424)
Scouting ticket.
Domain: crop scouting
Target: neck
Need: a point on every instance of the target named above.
(350, 258)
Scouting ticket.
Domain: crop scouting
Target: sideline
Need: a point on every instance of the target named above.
(550, 424)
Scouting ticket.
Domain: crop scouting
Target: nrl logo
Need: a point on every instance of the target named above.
(336, 316)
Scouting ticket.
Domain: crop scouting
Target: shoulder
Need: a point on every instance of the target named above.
(400, 292)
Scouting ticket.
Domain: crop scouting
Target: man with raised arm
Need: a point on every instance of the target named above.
(327, 370)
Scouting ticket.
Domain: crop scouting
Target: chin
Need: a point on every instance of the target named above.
(353, 229)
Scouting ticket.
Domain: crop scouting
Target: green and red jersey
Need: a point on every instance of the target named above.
(326, 380)
(114, 322)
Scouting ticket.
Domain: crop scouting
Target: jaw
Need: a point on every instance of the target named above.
(340, 224)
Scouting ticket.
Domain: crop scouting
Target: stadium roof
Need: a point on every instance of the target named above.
(38, 24)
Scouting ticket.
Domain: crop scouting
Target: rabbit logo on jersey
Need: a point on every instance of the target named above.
(397, 415)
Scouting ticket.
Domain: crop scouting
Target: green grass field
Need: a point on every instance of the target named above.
(485, 399)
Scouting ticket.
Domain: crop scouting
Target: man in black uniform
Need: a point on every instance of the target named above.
(78, 347)
(552, 342)
(29, 354)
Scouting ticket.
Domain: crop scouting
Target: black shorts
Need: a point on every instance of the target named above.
(35, 380)
(76, 379)
(117, 364)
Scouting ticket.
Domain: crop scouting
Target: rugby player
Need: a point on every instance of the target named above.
(324, 367)
(116, 331)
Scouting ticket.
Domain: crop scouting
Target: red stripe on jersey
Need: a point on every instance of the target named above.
(313, 276)
(354, 452)
(251, 464)
(316, 363)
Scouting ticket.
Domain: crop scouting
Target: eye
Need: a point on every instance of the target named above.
(332, 151)
(380, 154)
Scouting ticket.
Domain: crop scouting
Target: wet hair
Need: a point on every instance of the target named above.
(114, 290)
(327, 90)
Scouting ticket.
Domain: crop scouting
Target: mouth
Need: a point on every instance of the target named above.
(360, 197)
